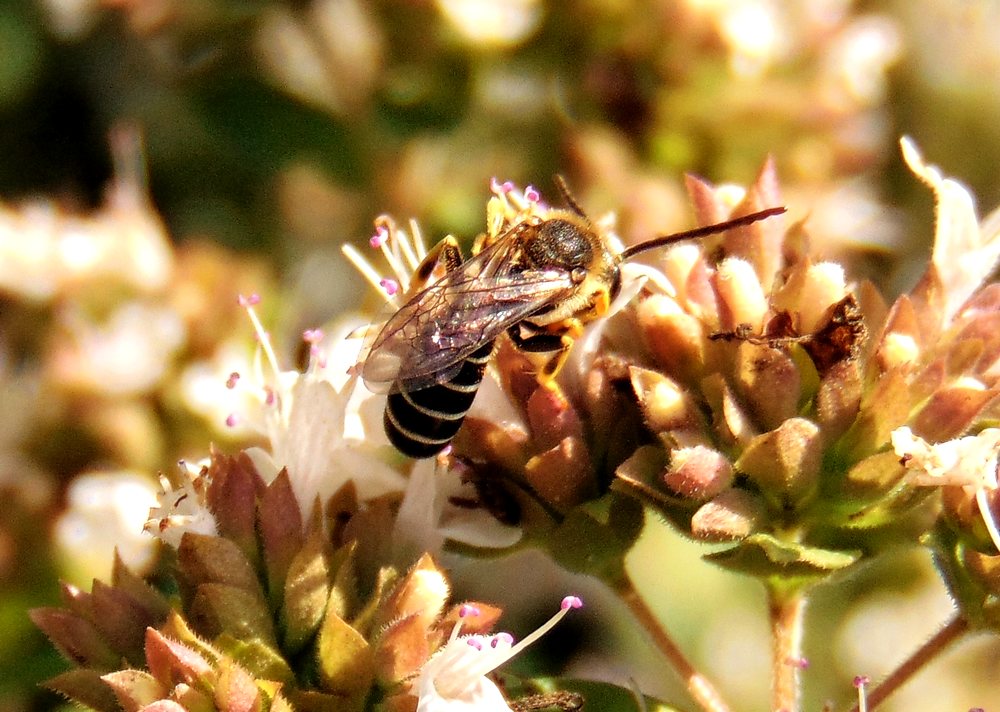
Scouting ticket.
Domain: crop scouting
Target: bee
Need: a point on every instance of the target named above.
(539, 281)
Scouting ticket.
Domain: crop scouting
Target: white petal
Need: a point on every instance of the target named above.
(483, 696)
(963, 256)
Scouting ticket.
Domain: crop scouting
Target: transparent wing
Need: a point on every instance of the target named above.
(429, 338)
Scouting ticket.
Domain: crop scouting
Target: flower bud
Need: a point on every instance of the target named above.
(950, 411)
(675, 337)
(665, 405)
(732, 515)
(770, 383)
(562, 474)
(742, 300)
(897, 349)
(785, 461)
(698, 472)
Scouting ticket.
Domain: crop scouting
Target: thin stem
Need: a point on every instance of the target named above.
(786, 611)
(698, 685)
(922, 656)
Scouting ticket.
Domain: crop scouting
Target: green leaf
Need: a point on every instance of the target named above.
(206, 559)
(595, 537)
(281, 528)
(258, 658)
(217, 609)
(765, 556)
(346, 662)
(307, 589)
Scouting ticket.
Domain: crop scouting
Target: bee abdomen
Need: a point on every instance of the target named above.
(422, 423)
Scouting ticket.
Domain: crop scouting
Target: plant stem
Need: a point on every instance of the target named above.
(786, 611)
(938, 643)
(698, 685)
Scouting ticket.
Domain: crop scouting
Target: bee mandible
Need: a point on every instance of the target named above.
(540, 280)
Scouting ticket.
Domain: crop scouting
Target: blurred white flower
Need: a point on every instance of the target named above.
(208, 391)
(106, 511)
(498, 23)
(128, 353)
(327, 52)
(45, 250)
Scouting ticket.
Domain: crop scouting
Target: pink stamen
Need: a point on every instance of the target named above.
(233, 379)
(312, 336)
(800, 663)
(531, 194)
(232, 420)
(269, 397)
(861, 680)
(248, 301)
(467, 609)
(476, 642)
(316, 355)
(390, 286)
(380, 237)
(571, 602)
(502, 637)
(498, 188)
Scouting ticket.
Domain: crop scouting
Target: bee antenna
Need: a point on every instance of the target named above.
(634, 250)
(564, 191)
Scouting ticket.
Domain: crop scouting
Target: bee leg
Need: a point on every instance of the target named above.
(533, 340)
(443, 258)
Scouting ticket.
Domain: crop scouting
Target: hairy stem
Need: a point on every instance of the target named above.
(938, 643)
(786, 610)
(698, 685)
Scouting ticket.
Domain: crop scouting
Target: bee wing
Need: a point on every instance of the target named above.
(428, 338)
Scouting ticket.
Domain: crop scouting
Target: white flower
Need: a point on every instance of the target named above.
(184, 507)
(45, 250)
(428, 516)
(965, 253)
(105, 513)
(969, 462)
(454, 679)
(126, 354)
(322, 425)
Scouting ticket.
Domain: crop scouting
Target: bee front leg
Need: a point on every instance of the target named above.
(555, 344)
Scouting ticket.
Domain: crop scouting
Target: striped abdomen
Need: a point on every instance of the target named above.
(421, 423)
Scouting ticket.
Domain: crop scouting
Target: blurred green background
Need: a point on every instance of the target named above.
(159, 156)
